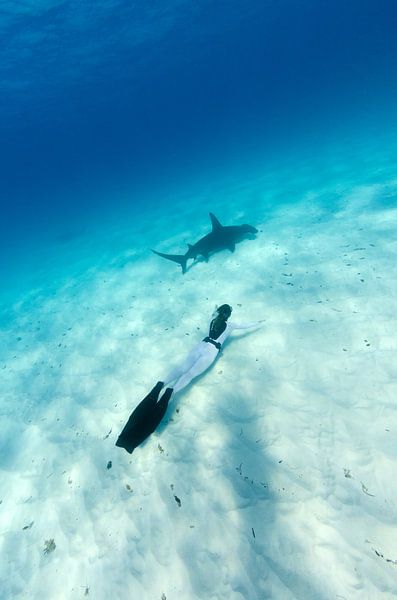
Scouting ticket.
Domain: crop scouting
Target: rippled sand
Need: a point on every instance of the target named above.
(273, 475)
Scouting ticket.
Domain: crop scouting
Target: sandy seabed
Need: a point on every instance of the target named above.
(273, 476)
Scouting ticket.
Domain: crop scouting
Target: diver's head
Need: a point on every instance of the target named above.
(224, 311)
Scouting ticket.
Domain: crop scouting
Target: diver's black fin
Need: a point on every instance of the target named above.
(143, 420)
(162, 404)
(178, 258)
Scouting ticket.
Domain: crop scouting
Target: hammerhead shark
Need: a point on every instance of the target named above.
(220, 238)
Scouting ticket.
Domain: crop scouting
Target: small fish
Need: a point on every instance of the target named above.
(107, 435)
(365, 490)
(49, 546)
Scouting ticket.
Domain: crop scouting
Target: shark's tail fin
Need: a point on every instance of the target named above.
(181, 259)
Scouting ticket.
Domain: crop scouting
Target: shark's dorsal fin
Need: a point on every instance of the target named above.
(215, 223)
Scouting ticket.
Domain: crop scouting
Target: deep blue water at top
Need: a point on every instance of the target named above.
(123, 99)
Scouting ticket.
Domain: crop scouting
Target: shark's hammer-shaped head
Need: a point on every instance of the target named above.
(248, 231)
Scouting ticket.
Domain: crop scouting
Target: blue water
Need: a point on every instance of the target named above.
(107, 109)
(122, 124)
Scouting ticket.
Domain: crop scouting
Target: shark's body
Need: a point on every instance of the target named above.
(220, 238)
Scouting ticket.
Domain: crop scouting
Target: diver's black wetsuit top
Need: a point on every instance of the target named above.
(217, 327)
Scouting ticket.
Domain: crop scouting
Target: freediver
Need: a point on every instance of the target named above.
(148, 414)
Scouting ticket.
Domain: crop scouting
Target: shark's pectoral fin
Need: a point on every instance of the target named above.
(216, 226)
(206, 257)
(232, 247)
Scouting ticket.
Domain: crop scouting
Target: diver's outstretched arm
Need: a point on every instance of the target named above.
(253, 325)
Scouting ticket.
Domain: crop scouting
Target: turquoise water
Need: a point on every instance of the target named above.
(122, 125)
(111, 109)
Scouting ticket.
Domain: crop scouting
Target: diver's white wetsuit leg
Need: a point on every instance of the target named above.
(187, 364)
(207, 353)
